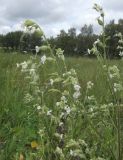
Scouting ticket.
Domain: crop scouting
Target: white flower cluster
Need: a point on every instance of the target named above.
(113, 72)
(51, 82)
(59, 53)
(23, 66)
(121, 53)
(76, 149)
(37, 49)
(98, 9)
(59, 152)
(118, 87)
(65, 108)
(120, 44)
(43, 59)
(89, 85)
(49, 113)
(77, 93)
(70, 77)
(118, 35)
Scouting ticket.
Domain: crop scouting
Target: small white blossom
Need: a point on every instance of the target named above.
(76, 95)
(77, 87)
(24, 51)
(18, 65)
(71, 152)
(89, 85)
(62, 114)
(89, 51)
(32, 71)
(43, 59)
(24, 66)
(32, 30)
(67, 109)
(121, 54)
(59, 53)
(90, 109)
(97, 41)
(118, 87)
(49, 113)
(51, 82)
(57, 103)
(63, 98)
(37, 49)
(61, 123)
(38, 107)
(113, 72)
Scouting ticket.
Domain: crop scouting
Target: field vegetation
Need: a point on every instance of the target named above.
(61, 108)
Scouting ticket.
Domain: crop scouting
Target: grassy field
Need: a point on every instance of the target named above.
(17, 129)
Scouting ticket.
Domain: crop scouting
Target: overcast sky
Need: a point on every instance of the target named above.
(54, 15)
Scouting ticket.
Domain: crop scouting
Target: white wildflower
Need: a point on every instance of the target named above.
(118, 35)
(67, 109)
(89, 85)
(71, 152)
(43, 59)
(76, 95)
(58, 104)
(32, 71)
(90, 109)
(61, 123)
(24, 65)
(77, 87)
(38, 107)
(59, 152)
(51, 82)
(118, 87)
(62, 114)
(32, 30)
(18, 65)
(119, 47)
(121, 54)
(113, 72)
(37, 49)
(97, 41)
(111, 76)
(24, 51)
(89, 51)
(63, 98)
(120, 41)
(49, 113)
(59, 53)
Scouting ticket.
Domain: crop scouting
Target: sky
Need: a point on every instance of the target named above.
(54, 15)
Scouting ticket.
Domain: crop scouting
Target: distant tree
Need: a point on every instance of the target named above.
(72, 32)
(11, 40)
(29, 41)
(111, 29)
(87, 30)
(73, 44)
(120, 21)
(67, 41)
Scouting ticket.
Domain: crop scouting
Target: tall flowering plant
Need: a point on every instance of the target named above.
(71, 127)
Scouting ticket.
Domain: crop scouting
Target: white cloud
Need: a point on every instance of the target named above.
(54, 15)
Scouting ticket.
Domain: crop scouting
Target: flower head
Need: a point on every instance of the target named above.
(43, 59)
(37, 49)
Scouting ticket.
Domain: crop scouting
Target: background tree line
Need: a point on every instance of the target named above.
(72, 43)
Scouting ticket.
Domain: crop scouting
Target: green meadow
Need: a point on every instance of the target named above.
(17, 129)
